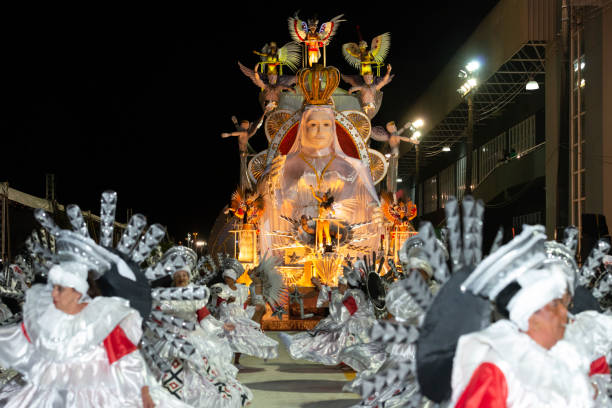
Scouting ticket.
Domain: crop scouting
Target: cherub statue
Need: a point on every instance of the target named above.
(325, 200)
(306, 32)
(369, 88)
(273, 57)
(361, 58)
(394, 137)
(244, 131)
(271, 87)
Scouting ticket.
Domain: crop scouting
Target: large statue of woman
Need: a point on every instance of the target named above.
(316, 159)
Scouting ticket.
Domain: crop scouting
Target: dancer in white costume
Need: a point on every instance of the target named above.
(237, 308)
(589, 331)
(350, 319)
(402, 305)
(76, 351)
(513, 363)
(207, 378)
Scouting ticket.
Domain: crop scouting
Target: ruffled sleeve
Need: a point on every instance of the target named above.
(208, 323)
(487, 388)
(324, 295)
(337, 311)
(124, 338)
(15, 348)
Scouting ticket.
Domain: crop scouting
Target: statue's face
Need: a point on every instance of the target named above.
(319, 131)
(391, 127)
(368, 79)
(272, 78)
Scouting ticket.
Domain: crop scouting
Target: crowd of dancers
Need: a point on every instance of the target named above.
(86, 324)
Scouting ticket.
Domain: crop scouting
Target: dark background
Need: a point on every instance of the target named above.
(135, 100)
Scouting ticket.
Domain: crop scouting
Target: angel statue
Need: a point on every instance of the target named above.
(369, 88)
(325, 200)
(244, 131)
(361, 58)
(394, 137)
(306, 32)
(273, 58)
(271, 87)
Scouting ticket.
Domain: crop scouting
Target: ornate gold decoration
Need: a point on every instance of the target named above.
(257, 165)
(328, 267)
(318, 84)
(291, 274)
(274, 121)
(378, 165)
(361, 122)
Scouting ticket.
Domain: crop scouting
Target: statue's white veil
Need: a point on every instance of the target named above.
(357, 198)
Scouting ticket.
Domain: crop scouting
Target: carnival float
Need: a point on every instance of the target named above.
(315, 198)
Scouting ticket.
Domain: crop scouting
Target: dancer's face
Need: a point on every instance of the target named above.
(547, 325)
(181, 279)
(319, 131)
(66, 299)
(229, 282)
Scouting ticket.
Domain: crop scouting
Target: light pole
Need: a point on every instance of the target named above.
(467, 91)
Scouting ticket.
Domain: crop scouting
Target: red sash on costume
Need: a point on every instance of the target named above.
(599, 366)
(487, 388)
(203, 313)
(350, 304)
(118, 345)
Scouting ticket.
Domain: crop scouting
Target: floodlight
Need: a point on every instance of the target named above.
(532, 85)
(472, 66)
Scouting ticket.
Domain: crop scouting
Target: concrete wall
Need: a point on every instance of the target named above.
(553, 113)
(606, 107)
(598, 106)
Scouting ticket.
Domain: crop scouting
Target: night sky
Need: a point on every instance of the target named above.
(135, 100)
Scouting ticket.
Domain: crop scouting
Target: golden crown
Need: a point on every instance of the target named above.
(318, 84)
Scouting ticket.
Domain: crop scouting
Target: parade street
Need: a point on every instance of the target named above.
(284, 382)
